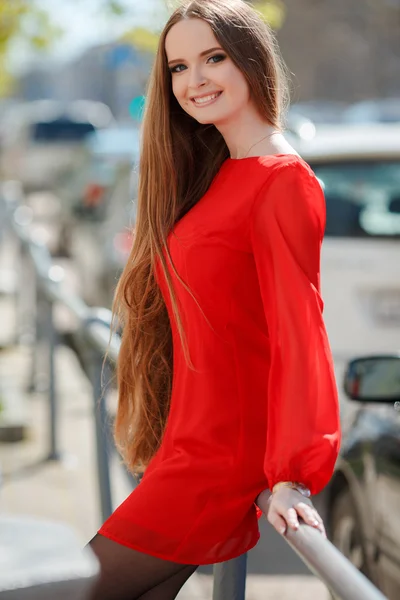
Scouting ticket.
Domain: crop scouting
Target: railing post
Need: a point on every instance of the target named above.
(230, 579)
(19, 297)
(102, 431)
(50, 336)
(36, 338)
(39, 379)
(22, 216)
(3, 218)
(17, 290)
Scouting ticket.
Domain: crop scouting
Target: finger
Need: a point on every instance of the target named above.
(291, 518)
(277, 522)
(310, 516)
(308, 513)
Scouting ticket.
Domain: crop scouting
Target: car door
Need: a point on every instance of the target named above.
(387, 460)
(359, 263)
(372, 450)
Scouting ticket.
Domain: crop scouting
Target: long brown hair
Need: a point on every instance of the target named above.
(179, 159)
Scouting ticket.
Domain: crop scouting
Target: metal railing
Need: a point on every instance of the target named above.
(39, 289)
(42, 287)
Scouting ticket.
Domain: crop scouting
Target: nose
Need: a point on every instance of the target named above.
(196, 78)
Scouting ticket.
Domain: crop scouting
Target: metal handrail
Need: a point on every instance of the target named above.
(94, 332)
(323, 559)
(327, 563)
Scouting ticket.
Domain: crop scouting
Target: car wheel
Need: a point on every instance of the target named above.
(345, 531)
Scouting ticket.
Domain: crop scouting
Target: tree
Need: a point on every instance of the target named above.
(26, 20)
(273, 11)
(19, 19)
(142, 38)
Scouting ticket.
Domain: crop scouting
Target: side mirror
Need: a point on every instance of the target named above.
(373, 379)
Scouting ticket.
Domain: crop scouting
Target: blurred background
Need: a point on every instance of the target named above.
(73, 79)
(72, 87)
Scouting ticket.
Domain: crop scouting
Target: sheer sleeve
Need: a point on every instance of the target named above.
(287, 225)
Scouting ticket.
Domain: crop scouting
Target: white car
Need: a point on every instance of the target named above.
(359, 170)
(40, 139)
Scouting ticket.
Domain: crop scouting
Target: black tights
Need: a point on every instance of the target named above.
(126, 574)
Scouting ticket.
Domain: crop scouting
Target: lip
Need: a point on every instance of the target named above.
(193, 98)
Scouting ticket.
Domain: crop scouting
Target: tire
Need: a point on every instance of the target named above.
(346, 532)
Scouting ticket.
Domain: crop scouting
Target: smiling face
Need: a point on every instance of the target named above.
(205, 81)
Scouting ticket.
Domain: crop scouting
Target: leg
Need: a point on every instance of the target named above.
(169, 589)
(126, 574)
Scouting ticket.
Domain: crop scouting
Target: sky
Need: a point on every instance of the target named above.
(85, 27)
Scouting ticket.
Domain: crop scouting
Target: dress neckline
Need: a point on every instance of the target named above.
(284, 154)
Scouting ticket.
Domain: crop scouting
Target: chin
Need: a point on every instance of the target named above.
(210, 119)
(205, 121)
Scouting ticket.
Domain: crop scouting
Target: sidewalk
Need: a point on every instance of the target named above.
(67, 490)
(63, 490)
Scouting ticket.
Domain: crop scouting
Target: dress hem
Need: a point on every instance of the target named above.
(111, 536)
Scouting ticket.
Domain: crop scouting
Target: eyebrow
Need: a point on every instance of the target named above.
(179, 60)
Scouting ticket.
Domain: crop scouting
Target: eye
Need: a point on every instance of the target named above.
(177, 69)
(217, 58)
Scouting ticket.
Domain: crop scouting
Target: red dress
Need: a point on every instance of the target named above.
(260, 405)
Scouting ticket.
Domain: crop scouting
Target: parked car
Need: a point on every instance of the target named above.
(359, 170)
(364, 494)
(100, 209)
(86, 190)
(40, 139)
(320, 112)
(378, 110)
(85, 186)
(100, 248)
(298, 127)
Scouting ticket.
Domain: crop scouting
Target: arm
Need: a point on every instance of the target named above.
(303, 436)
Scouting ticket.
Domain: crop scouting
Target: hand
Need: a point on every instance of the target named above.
(286, 505)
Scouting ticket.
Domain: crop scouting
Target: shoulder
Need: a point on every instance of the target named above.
(289, 179)
(256, 173)
(289, 189)
(259, 173)
(283, 167)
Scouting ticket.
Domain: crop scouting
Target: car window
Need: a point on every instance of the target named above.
(114, 142)
(362, 198)
(60, 130)
(378, 111)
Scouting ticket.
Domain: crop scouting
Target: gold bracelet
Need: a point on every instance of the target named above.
(294, 485)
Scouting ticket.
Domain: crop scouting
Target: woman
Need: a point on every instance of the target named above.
(226, 385)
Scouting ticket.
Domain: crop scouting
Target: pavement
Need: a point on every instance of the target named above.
(66, 490)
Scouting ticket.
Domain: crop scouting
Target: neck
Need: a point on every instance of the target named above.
(242, 132)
